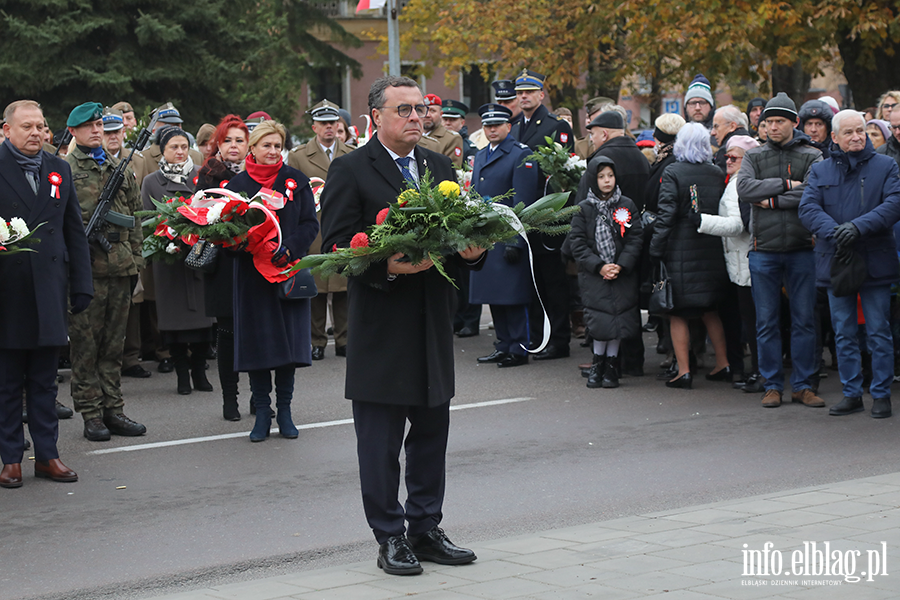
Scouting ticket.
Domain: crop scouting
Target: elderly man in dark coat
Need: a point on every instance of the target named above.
(505, 282)
(33, 310)
(851, 203)
(399, 314)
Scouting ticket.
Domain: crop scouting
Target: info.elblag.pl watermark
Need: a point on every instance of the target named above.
(813, 564)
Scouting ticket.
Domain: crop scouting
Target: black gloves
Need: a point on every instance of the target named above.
(80, 302)
(694, 217)
(845, 235)
(512, 255)
(282, 257)
(844, 254)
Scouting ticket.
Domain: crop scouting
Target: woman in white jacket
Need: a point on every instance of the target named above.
(736, 245)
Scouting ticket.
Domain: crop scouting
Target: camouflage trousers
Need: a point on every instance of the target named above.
(97, 342)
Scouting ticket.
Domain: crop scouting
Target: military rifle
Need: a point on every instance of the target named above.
(103, 215)
(63, 141)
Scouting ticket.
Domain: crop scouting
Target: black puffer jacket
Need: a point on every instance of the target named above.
(610, 307)
(695, 261)
(764, 174)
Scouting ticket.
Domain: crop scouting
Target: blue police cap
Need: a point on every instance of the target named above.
(504, 89)
(494, 114)
(529, 80)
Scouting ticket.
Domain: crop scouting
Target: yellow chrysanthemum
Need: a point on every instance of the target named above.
(407, 196)
(450, 189)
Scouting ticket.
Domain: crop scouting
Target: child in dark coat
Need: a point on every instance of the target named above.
(605, 242)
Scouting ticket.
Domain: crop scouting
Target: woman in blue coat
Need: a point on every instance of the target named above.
(271, 334)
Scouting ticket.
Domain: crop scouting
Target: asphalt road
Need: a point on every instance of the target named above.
(556, 454)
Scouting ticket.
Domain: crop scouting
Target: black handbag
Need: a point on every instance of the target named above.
(300, 286)
(661, 295)
(846, 279)
(202, 257)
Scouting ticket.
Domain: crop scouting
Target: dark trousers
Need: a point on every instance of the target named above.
(379, 436)
(467, 315)
(748, 318)
(553, 286)
(511, 327)
(33, 371)
(730, 315)
(131, 356)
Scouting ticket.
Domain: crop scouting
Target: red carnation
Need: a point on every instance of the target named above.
(382, 215)
(334, 247)
(360, 240)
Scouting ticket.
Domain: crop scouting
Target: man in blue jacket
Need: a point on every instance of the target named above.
(505, 281)
(851, 203)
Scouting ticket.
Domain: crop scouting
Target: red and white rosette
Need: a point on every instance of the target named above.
(317, 184)
(290, 185)
(55, 180)
(622, 216)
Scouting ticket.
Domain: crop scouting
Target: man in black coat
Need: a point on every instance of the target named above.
(607, 132)
(536, 125)
(399, 314)
(37, 187)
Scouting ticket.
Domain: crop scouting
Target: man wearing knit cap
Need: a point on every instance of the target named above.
(97, 335)
(771, 181)
(698, 102)
(438, 138)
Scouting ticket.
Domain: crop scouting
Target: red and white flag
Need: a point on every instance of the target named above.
(370, 4)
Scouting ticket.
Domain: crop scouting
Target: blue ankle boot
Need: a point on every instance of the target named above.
(285, 424)
(263, 423)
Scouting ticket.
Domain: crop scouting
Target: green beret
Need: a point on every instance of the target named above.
(84, 113)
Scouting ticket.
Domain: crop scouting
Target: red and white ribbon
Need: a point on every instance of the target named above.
(317, 184)
(259, 202)
(55, 180)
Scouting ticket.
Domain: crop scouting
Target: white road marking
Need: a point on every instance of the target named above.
(228, 436)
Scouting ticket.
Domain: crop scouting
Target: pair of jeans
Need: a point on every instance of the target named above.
(876, 303)
(796, 272)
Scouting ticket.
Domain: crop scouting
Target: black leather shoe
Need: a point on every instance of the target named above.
(435, 547)
(95, 430)
(754, 384)
(136, 371)
(466, 332)
(551, 352)
(513, 360)
(395, 557)
(847, 406)
(684, 382)
(340, 350)
(166, 365)
(119, 424)
(318, 353)
(63, 411)
(881, 408)
(721, 375)
(494, 357)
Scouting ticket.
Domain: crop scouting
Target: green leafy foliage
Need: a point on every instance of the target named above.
(562, 169)
(435, 222)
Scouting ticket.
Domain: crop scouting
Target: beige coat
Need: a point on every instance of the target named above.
(446, 142)
(310, 159)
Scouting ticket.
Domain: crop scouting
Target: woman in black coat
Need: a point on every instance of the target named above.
(695, 263)
(230, 144)
(272, 334)
(179, 290)
(605, 241)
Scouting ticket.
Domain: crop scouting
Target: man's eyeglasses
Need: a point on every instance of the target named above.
(895, 127)
(697, 103)
(404, 110)
(729, 158)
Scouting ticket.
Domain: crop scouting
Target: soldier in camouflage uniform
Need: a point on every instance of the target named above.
(97, 335)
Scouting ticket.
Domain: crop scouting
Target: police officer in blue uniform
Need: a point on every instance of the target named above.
(536, 125)
(537, 122)
(505, 281)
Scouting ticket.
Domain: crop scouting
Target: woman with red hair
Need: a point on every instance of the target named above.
(229, 147)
